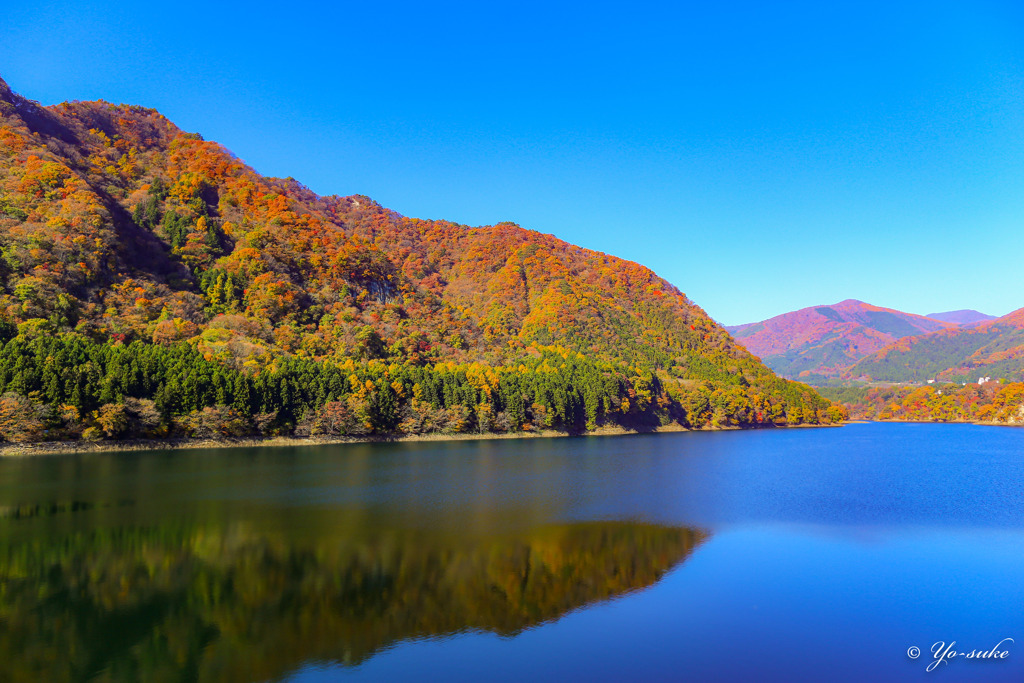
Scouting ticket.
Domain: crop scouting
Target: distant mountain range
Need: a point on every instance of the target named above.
(990, 349)
(963, 317)
(855, 340)
(825, 341)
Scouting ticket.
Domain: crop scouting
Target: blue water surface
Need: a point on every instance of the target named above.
(799, 554)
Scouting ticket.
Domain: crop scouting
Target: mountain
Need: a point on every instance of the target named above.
(151, 283)
(963, 317)
(822, 342)
(962, 354)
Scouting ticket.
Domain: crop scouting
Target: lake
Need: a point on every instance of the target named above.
(787, 554)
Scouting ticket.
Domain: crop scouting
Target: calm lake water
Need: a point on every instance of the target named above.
(808, 554)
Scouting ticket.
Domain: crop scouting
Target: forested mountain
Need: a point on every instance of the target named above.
(151, 283)
(822, 342)
(853, 340)
(992, 349)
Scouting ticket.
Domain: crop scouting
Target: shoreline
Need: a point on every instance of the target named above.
(983, 423)
(186, 443)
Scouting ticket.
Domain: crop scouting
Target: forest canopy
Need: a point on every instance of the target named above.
(152, 284)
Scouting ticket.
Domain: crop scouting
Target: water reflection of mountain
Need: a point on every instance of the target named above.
(195, 604)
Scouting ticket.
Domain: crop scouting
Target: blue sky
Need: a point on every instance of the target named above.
(762, 157)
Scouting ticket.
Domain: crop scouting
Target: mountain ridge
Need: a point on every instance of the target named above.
(964, 316)
(819, 342)
(992, 348)
(856, 341)
(130, 242)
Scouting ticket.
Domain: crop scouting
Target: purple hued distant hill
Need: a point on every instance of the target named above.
(966, 317)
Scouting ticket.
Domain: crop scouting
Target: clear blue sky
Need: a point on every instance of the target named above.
(761, 156)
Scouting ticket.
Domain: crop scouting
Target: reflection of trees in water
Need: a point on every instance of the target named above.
(188, 604)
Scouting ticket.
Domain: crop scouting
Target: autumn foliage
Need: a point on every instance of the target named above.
(142, 263)
(991, 402)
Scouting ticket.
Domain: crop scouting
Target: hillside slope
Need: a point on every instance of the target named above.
(991, 402)
(142, 263)
(991, 349)
(823, 341)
